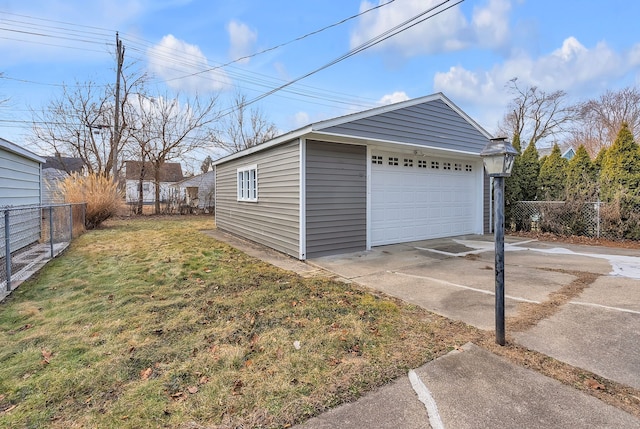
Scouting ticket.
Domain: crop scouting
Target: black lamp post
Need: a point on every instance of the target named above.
(498, 156)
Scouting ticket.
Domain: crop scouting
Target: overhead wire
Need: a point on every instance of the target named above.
(289, 42)
(176, 56)
(417, 19)
(366, 45)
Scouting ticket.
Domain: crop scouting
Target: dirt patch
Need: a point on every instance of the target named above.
(530, 314)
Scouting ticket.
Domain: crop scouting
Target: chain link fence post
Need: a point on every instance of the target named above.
(7, 250)
(51, 229)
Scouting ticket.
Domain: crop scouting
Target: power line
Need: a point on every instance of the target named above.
(182, 60)
(286, 43)
(366, 45)
(321, 95)
(57, 22)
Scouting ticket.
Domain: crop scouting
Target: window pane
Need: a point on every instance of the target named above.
(253, 185)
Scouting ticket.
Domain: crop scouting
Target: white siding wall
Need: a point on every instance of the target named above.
(19, 180)
(20, 185)
(149, 191)
(206, 188)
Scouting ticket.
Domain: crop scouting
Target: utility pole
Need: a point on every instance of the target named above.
(115, 139)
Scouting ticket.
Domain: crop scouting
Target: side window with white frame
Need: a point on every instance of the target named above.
(248, 183)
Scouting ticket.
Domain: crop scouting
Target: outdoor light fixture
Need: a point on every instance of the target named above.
(498, 156)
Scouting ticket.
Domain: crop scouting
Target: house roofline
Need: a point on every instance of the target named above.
(318, 126)
(284, 138)
(14, 148)
(315, 129)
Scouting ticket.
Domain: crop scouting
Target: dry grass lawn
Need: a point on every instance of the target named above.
(150, 323)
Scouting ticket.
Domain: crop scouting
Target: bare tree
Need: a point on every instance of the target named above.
(535, 115)
(140, 136)
(601, 119)
(170, 130)
(243, 128)
(79, 123)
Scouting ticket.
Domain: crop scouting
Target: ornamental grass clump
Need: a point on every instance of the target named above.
(99, 193)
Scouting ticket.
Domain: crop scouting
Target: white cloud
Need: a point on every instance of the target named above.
(573, 68)
(300, 119)
(181, 65)
(241, 40)
(488, 27)
(395, 97)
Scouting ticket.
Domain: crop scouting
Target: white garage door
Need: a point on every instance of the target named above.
(416, 198)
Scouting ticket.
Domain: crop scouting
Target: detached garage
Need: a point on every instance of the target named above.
(403, 172)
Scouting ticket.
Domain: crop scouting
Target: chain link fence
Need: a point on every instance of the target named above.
(590, 219)
(32, 235)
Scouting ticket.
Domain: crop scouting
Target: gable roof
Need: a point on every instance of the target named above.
(414, 112)
(169, 172)
(14, 148)
(197, 180)
(64, 163)
(567, 151)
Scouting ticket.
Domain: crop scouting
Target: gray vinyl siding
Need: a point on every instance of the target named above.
(19, 180)
(336, 205)
(274, 220)
(432, 124)
(486, 204)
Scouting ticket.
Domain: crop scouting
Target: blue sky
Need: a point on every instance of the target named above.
(468, 52)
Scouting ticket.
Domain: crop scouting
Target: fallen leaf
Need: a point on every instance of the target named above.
(254, 340)
(46, 356)
(237, 387)
(27, 326)
(146, 373)
(192, 389)
(593, 384)
(203, 380)
(177, 395)
(207, 270)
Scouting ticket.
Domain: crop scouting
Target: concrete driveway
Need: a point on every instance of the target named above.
(454, 277)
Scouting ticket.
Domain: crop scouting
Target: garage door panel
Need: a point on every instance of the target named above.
(412, 203)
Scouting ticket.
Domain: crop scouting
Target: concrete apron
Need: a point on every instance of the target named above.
(597, 331)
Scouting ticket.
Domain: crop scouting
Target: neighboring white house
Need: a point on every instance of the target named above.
(170, 173)
(197, 191)
(20, 189)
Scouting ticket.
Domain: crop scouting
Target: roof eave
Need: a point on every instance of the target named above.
(14, 148)
(284, 138)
